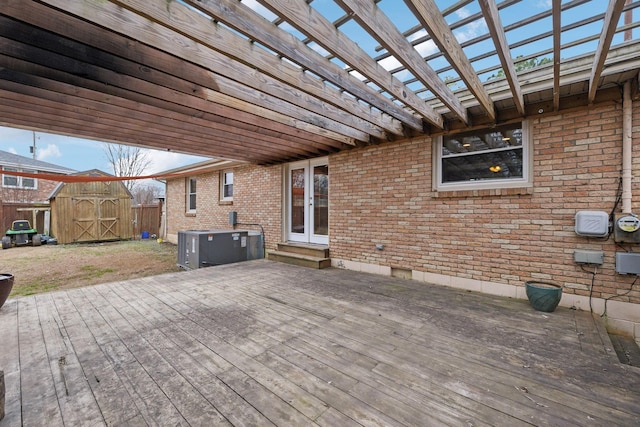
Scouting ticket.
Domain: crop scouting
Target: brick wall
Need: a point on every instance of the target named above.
(383, 195)
(257, 195)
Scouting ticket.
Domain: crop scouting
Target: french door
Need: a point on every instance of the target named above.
(308, 201)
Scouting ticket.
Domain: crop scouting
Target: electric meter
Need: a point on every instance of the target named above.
(626, 228)
(628, 223)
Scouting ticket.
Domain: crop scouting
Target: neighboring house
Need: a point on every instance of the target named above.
(484, 210)
(27, 190)
(93, 211)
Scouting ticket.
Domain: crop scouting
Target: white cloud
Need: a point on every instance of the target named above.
(389, 63)
(164, 160)
(12, 150)
(545, 4)
(48, 153)
(417, 35)
(357, 75)
(471, 30)
(403, 75)
(462, 13)
(427, 48)
(319, 49)
(258, 8)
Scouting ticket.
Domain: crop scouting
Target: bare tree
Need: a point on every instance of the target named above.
(146, 194)
(127, 160)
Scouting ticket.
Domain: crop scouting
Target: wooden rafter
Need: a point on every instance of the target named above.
(188, 107)
(224, 91)
(222, 79)
(611, 18)
(468, 44)
(492, 18)
(169, 131)
(260, 70)
(557, 32)
(310, 22)
(429, 15)
(244, 20)
(379, 26)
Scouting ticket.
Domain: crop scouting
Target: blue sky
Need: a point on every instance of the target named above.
(80, 154)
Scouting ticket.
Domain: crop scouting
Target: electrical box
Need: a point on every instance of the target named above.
(588, 257)
(628, 263)
(626, 228)
(592, 224)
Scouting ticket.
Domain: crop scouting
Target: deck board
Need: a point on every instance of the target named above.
(10, 362)
(37, 381)
(263, 343)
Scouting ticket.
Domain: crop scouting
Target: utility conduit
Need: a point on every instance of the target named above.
(627, 176)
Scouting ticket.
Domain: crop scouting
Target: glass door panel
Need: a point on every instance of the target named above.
(298, 205)
(308, 201)
(320, 215)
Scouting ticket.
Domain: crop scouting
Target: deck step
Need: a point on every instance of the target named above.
(318, 251)
(313, 256)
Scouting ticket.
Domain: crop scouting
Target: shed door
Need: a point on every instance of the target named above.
(95, 219)
(108, 220)
(84, 220)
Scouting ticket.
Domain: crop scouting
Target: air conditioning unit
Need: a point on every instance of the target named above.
(206, 248)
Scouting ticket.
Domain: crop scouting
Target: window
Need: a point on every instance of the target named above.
(191, 195)
(483, 159)
(19, 181)
(226, 186)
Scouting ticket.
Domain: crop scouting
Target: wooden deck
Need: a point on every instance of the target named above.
(263, 343)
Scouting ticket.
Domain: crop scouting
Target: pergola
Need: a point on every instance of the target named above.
(278, 80)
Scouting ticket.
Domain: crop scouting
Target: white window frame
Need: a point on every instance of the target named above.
(223, 184)
(527, 168)
(19, 179)
(191, 209)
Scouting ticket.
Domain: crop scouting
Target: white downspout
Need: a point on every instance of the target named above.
(627, 176)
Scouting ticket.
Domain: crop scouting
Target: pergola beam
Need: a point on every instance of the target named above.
(380, 27)
(308, 21)
(611, 18)
(556, 7)
(492, 19)
(228, 78)
(222, 90)
(238, 16)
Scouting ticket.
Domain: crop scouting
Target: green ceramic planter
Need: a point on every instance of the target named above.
(543, 296)
(6, 284)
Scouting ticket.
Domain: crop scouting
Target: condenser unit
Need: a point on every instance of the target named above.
(206, 248)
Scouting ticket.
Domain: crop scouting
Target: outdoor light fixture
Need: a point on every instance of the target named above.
(495, 168)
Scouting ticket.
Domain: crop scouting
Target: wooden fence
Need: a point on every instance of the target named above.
(145, 217)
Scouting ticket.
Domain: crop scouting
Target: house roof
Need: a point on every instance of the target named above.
(205, 166)
(21, 162)
(268, 81)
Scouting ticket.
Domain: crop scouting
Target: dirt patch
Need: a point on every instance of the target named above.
(51, 267)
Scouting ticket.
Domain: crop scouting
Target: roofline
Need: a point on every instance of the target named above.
(64, 171)
(205, 166)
